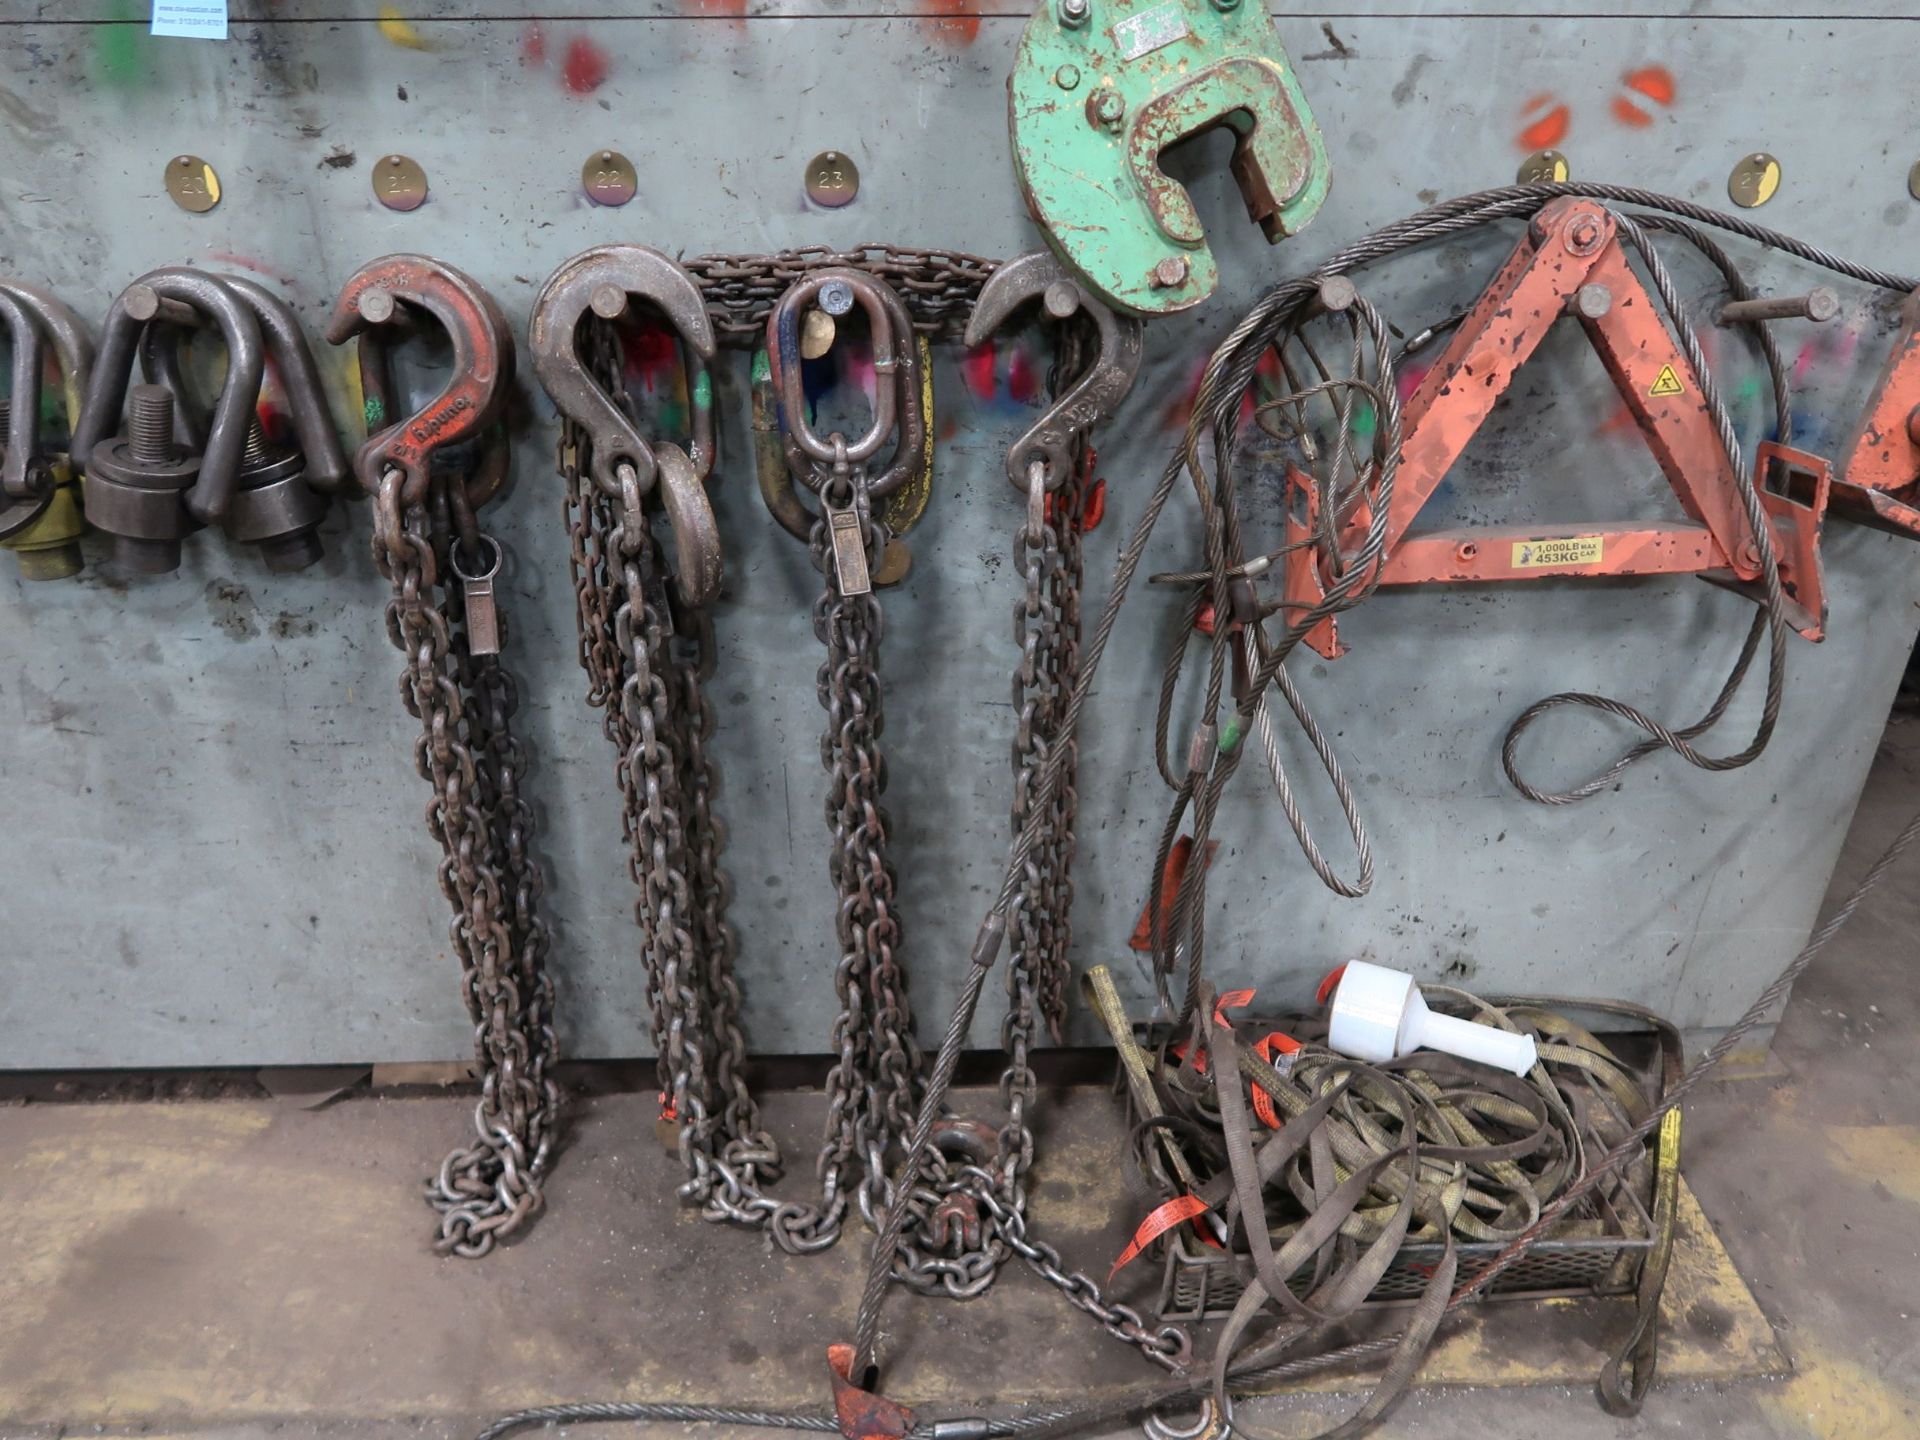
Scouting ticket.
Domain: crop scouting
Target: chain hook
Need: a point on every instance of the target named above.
(607, 280)
(1095, 394)
(387, 294)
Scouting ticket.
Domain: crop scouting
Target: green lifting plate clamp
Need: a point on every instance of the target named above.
(1101, 87)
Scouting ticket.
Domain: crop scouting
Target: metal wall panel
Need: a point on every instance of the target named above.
(214, 846)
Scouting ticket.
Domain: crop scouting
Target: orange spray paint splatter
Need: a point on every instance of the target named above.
(953, 22)
(1550, 129)
(1655, 83)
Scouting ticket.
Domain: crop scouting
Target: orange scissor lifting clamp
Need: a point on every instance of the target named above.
(1879, 479)
(1572, 262)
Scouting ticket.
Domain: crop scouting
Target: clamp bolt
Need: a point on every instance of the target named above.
(1075, 13)
(1061, 298)
(836, 297)
(1591, 301)
(1106, 108)
(1225, 5)
(1170, 272)
(1750, 553)
(1067, 77)
(1583, 236)
(1466, 552)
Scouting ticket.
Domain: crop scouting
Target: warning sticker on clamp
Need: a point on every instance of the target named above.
(1667, 382)
(1146, 32)
(1546, 554)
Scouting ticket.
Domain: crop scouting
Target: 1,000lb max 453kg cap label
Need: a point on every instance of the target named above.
(1545, 554)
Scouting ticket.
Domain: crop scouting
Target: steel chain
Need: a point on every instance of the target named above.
(938, 286)
(645, 663)
(486, 1190)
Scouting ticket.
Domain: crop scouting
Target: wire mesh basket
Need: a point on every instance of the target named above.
(1600, 1253)
(1587, 1257)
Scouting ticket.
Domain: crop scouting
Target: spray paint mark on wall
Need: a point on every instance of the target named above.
(585, 68)
(1547, 122)
(952, 22)
(119, 49)
(1652, 88)
(396, 29)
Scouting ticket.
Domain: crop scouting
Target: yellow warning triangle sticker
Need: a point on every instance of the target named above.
(1667, 383)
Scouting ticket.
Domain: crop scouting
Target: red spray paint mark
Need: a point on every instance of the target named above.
(586, 66)
(735, 10)
(247, 262)
(1023, 384)
(953, 22)
(977, 367)
(1655, 83)
(1827, 351)
(649, 353)
(1549, 128)
(533, 46)
(1407, 379)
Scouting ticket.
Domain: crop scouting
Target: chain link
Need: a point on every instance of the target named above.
(938, 286)
(488, 1189)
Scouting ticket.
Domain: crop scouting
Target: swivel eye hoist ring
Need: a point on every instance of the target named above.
(40, 516)
(169, 474)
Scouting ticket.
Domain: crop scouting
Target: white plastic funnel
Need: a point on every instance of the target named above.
(1379, 1014)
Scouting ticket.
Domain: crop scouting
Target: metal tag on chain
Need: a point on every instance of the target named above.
(849, 551)
(477, 600)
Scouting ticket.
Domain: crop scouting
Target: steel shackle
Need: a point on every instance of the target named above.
(369, 305)
(145, 300)
(326, 462)
(1095, 394)
(72, 346)
(26, 478)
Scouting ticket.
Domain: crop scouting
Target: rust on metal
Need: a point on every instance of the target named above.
(863, 1415)
(1879, 478)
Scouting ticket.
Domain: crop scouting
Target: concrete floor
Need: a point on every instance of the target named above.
(240, 1269)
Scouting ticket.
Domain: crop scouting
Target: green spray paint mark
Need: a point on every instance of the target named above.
(1365, 422)
(1230, 735)
(117, 52)
(703, 392)
(376, 411)
(762, 367)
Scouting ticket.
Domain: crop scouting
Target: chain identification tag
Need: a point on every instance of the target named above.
(483, 617)
(477, 599)
(849, 551)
